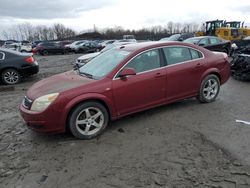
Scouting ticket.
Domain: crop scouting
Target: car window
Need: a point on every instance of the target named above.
(195, 54)
(146, 61)
(176, 55)
(1, 55)
(204, 41)
(214, 41)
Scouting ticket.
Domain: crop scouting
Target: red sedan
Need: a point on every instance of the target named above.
(122, 81)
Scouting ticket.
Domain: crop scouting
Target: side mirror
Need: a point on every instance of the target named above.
(127, 72)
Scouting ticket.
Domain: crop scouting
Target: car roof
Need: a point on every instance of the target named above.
(202, 37)
(153, 44)
(5, 50)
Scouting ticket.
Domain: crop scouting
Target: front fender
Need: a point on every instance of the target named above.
(86, 97)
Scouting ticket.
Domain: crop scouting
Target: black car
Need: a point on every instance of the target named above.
(46, 48)
(35, 43)
(211, 43)
(15, 65)
(88, 47)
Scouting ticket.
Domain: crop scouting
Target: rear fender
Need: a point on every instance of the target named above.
(214, 71)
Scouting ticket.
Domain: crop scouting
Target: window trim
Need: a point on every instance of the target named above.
(3, 56)
(164, 64)
(160, 57)
(203, 57)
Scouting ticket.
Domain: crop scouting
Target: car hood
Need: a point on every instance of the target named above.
(89, 56)
(56, 84)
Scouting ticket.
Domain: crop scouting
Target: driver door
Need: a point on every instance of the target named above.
(143, 90)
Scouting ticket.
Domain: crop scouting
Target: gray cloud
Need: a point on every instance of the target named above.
(242, 9)
(44, 9)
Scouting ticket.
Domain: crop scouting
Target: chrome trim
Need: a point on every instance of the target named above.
(203, 57)
(3, 55)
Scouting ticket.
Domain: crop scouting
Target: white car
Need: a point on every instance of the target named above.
(82, 60)
(19, 46)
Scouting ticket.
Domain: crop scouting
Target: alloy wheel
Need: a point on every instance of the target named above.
(11, 76)
(210, 89)
(89, 121)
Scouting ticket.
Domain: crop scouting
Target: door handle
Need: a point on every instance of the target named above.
(159, 75)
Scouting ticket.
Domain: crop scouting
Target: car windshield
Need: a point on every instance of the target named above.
(104, 63)
(192, 40)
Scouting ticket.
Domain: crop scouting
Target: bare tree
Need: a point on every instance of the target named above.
(62, 32)
(170, 27)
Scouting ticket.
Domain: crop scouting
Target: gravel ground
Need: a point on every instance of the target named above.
(185, 144)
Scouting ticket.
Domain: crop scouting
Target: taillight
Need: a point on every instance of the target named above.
(30, 60)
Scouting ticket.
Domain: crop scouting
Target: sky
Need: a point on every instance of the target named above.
(130, 14)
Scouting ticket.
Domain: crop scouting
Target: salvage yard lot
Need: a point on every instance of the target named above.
(185, 144)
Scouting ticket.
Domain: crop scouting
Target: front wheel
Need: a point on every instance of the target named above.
(209, 89)
(88, 120)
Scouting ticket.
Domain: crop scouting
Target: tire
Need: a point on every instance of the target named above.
(209, 89)
(88, 120)
(10, 77)
(45, 52)
(65, 52)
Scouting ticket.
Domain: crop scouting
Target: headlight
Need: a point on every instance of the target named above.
(43, 102)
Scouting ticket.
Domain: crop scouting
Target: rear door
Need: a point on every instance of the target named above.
(143, 90)
(184, 69)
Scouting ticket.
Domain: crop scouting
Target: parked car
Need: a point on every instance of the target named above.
(73, 45)
(211, 43)
(121, 81)
(87, 47)
(35, 43)
(178, 37)
(107, 42)
(22, 46)
(46, 48)
(82, 60)
(15, 65)
(240, 67)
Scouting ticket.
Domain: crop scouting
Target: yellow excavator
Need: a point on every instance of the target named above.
(233, 30)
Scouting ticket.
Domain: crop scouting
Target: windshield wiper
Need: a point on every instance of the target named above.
(85, 74)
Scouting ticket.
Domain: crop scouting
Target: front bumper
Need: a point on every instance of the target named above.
(47, 121)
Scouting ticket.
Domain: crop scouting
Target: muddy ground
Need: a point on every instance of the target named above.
(181, 145)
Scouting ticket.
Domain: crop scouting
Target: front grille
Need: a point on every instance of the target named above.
(27, 103)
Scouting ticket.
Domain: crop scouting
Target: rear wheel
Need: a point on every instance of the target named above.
(88, 120)
(10, 76)
(209, 89)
